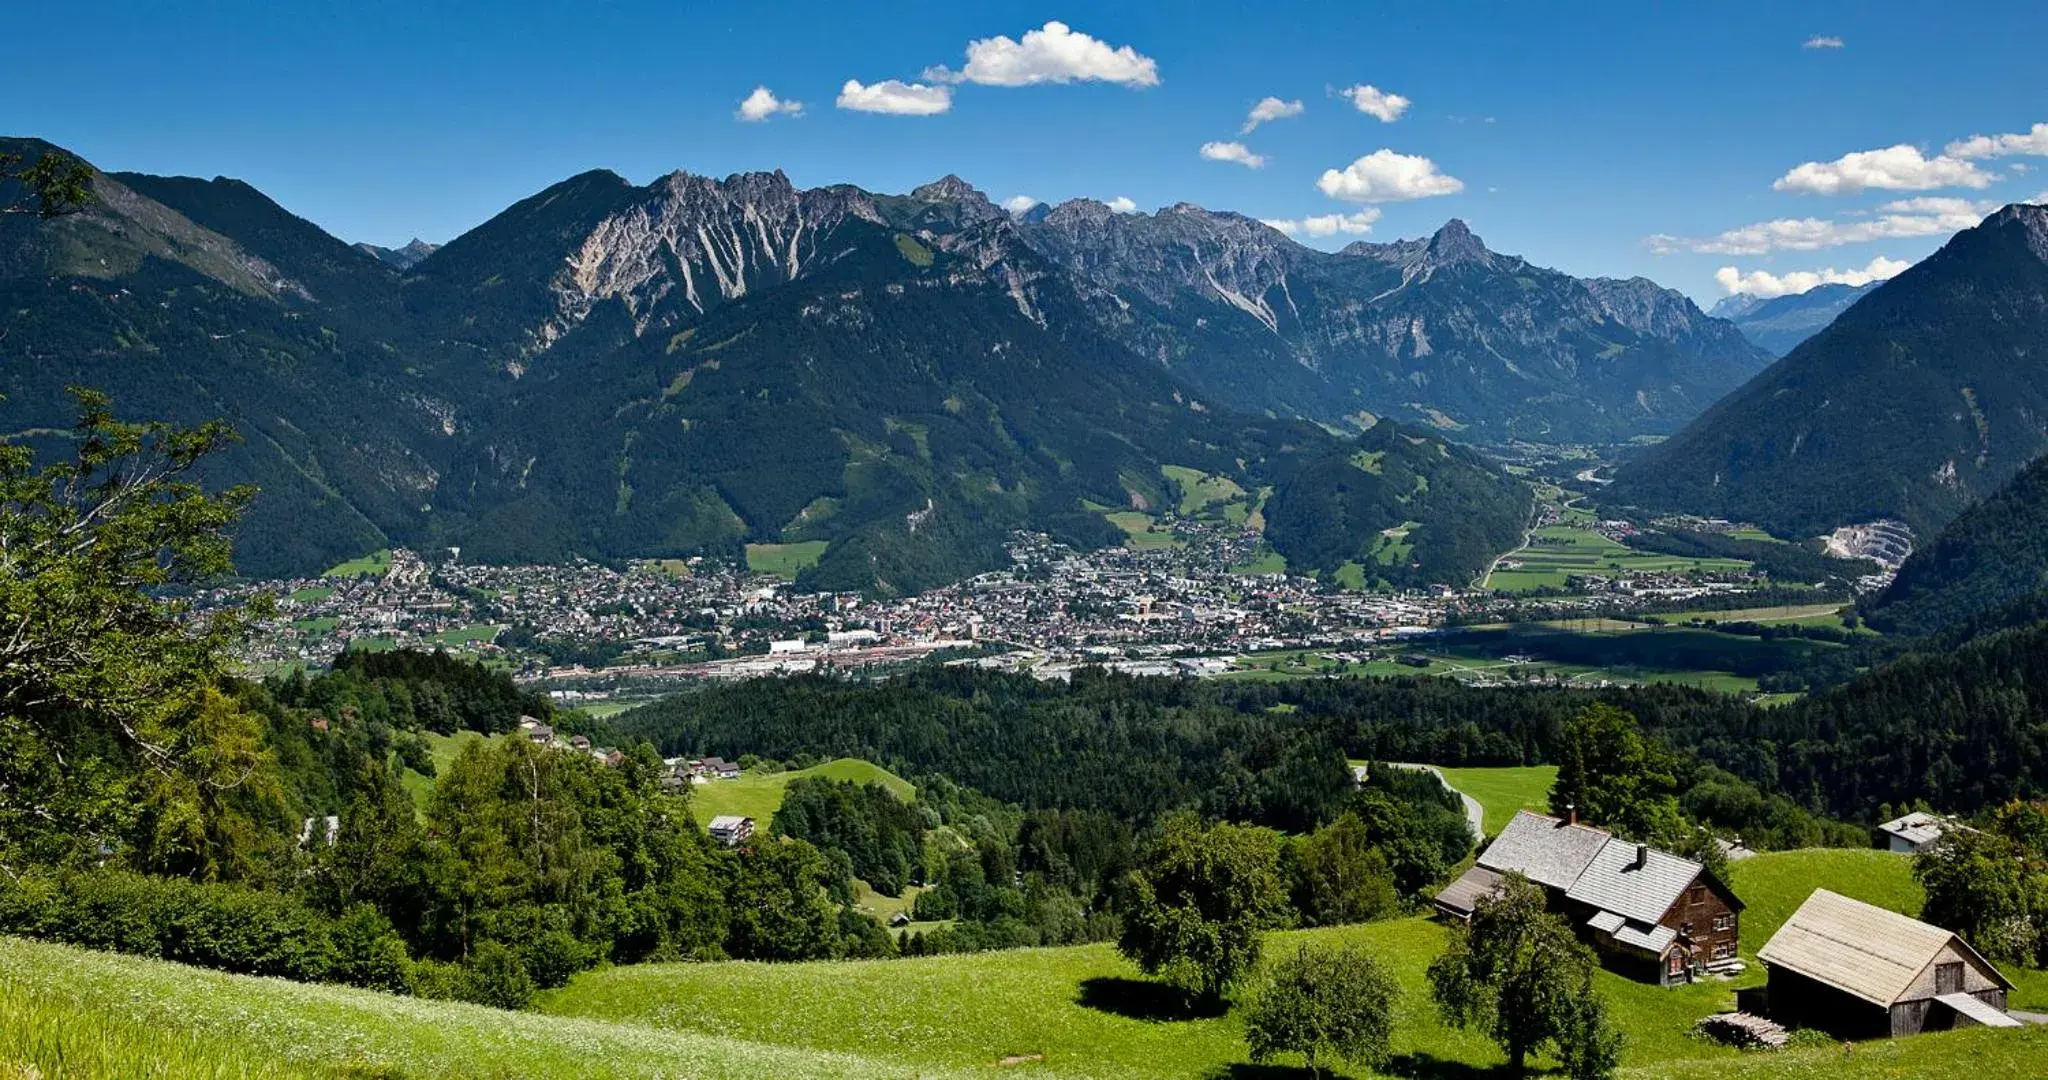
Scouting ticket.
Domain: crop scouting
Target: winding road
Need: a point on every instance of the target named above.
(1475, 814)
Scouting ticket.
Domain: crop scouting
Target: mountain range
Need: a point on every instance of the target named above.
(607, 369)
(1778, 324)
(1924, 396)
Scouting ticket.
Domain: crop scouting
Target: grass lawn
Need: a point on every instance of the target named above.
(323, 625)
(375, 564)
(758, 795)
(467, 635)
(1502, 791)
(784, 560)
(312, 595)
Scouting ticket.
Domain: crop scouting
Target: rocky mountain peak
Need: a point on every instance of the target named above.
(949, 188)
(1080, 211)
(1454, 243)
(2033, 219)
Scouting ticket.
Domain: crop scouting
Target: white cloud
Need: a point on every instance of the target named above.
(1271, 108)
(1054, 53)
(762, 104)
(1895, 220)
(1122, 205)
(1822, 41)
(1017, 204)
(1327, 224)
(1894, 168)
(1385, 176)
(1234, 152)
(895, 97)
(2032, 142)
(1763, 284)
(1377, 102)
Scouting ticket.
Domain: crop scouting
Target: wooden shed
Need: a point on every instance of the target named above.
(1860, 972)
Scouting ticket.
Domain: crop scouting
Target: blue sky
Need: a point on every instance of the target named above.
(1600, 138)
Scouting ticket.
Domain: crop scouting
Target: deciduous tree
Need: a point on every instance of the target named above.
(1323, 1003)
(1196, 907)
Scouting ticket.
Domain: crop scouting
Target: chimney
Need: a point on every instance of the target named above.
(1642, 856)
(1571, 813)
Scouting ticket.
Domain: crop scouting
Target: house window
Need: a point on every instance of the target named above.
(1724, 950)
(1676, 964)
(1685, 927)
(1724, 922)
(1948, 978)
(1699, 894)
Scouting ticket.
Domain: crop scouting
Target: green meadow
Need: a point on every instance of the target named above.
(375, 564)
(758, 795)
(1079, 1012)
(1557, 552)
(1502, 791)
(784, 560)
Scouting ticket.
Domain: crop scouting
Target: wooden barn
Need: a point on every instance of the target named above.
(1651, 914)
(1861, 972)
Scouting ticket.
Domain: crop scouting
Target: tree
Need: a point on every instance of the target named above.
(1516, 971)
(1987, 886)
(1322, 1003)
(1340, 877)
(1195, 909)
(113, 734)
(57, 183)
(1614, 777)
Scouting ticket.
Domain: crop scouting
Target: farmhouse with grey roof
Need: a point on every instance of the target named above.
(1648, 912)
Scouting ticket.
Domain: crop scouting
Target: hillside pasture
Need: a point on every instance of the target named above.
(375, 564)
(1556, 553)
(1054, 1014)
(1504, 790)
(759, 794)
(784, 560)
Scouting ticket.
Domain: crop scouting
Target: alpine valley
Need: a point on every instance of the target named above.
(609, 370)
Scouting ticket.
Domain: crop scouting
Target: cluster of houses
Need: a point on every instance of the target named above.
(545, 735)
(682, 772)
(1838, 964)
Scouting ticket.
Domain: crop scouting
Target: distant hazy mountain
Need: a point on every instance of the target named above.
(401, 258)
(1779, 324)
(1926, 395)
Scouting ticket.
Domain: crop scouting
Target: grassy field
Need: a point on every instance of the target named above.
(784, 560)
(1783, 613)
(758, 795)
(1080, 1012)
(1560, 551)
(467, 635)
(69, 1014)
(1200, 490)
(313, 594)
(1141, 531)
(442, 749)
(1268, 562)
(1502, 791)
(375, 564)
(1088, 1012)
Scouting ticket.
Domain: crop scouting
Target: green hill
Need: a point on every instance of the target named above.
(1994, 554)
(1403, 507)
(1924, 396)
(758, 795)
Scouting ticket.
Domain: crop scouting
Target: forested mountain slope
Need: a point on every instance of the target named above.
(613, 370)
(1922, 398)
(1992, 555)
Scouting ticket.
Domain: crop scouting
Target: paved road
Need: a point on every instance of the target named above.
(1475, 814)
